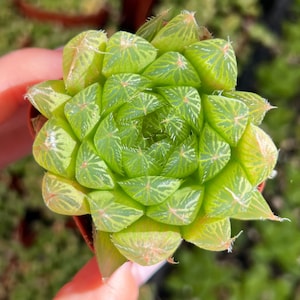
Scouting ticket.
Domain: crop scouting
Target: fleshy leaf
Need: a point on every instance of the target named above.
(83, 110)
(150, 190)
(55, 148)
(212, 234)
(257, 154)
(147, 242)
(48, 97)
(64, 196)
(152, 26)
(91, 170)
(258, 210)
(228, 193)
(108, 257)
(173, 125)
(257, 105)
(160, 150)
(137, 162)
(121, 88)
(214, 153)
(142, 105)
(172, 68)
(113, 211)
(127, 53)
(215, 61)
(108, 143)
(180, 31)
(130, 132)
(82, 60)
(183, 159)
(229, 117)
(186, 102)
(180, 208)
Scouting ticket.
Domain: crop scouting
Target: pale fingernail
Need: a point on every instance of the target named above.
(143, 273)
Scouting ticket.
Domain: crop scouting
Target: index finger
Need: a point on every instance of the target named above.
(22, 68)
(19, 70)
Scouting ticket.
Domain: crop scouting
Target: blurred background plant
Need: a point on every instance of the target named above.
(40, 251)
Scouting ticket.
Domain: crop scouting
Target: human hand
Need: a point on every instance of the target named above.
(123, 284)
(19, 70)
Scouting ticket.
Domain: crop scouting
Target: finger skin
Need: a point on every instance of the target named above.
(123, 284)
(87, 284)
(19, 70)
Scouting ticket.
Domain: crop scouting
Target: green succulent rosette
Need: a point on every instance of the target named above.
(147, 134)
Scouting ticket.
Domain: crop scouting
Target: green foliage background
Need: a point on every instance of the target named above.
(265, 262)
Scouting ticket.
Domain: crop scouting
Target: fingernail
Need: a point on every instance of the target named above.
(143, 273)
(125, 268)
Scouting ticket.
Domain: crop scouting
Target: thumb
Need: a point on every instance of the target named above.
(121, 285)
(87, 284)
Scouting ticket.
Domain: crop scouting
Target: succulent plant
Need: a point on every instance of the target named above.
(147, 134)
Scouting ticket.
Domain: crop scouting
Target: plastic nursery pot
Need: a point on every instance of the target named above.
(97, 18)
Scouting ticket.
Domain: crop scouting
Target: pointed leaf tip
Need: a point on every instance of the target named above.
(178, 33)
(232, 240)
